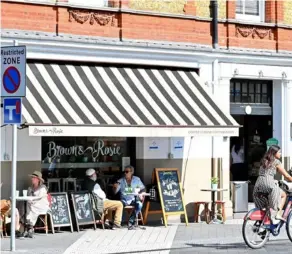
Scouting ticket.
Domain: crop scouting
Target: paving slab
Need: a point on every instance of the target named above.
(42, 244)
(151, 240)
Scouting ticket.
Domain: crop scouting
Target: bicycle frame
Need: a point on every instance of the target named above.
(257, 214)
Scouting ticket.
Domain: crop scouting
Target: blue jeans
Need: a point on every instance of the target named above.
(138, 208)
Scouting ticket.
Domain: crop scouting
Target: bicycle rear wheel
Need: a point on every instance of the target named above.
(261, 233)
(289, 226)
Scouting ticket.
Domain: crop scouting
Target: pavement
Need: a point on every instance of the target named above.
(42, 244)
(176, 238)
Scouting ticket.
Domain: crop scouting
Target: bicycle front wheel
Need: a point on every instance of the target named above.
(259, 237)
(289, 226)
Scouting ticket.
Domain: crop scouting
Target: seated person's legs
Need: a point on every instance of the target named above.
(138, 208)
(31, 219)
(17, 222)
(117, 206)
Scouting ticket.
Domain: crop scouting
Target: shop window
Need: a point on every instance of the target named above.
(250, 10)
(71, 156)
(250, 91)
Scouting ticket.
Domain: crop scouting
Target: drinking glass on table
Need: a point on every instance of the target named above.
(24, 193)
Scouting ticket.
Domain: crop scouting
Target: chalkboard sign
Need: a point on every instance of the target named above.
(60, 210)
(170, 192)
(83, 209)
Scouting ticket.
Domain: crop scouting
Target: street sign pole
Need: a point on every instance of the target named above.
(13, 183)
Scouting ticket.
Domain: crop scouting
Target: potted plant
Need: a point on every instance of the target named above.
(214, 183)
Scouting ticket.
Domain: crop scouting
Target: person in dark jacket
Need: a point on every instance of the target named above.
(92, 186)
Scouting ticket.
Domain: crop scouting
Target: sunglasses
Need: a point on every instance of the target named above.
(126, 172)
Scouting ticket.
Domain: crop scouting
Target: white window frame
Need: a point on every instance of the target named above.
(89, 3)
(256, 18)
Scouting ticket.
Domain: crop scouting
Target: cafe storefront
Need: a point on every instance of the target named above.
(105, 116)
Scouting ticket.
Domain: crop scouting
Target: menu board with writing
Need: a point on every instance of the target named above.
(170, 192)
(83, 209)
(60, 210)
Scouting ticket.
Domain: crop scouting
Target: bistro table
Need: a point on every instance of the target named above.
(25, 199)
(214, 212)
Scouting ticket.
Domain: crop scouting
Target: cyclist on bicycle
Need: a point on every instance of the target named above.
(266, 184)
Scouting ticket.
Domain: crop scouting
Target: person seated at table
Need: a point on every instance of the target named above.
(5, 207)
(109, 206)
(127, 185)
(40, 205)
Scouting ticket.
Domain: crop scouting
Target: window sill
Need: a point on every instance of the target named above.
(250, 18)
(64, 4)
(252, 23)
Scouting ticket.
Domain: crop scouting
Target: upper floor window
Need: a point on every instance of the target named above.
(250, 91)
(93, 3)
(250, 10)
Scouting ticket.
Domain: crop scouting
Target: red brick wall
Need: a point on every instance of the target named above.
(28, 17)
(148, 27)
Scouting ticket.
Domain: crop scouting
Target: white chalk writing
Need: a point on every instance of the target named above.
(97, 149)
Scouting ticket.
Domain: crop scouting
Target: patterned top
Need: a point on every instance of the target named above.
(266, 184)
(125, 188)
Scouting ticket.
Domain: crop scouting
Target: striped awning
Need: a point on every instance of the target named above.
(69, 96)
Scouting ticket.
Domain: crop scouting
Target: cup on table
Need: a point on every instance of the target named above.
(17, 193)
(24, 193)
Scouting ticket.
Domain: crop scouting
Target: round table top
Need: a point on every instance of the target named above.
(27, 198)
(214, 190)
(136, 194)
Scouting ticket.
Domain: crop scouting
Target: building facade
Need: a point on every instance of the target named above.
(153, 46)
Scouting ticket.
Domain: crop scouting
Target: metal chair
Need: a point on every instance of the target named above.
(66, 182)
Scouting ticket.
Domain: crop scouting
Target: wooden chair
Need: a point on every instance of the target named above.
(129, 209)
(222, 206)
(206, 211)
(43, 219)
(100, 220)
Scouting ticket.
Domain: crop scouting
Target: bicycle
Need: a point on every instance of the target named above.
(262, 223)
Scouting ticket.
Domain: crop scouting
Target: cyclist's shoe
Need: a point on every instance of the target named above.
(263, 234)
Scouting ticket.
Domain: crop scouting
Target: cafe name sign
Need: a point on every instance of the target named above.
(97, 149)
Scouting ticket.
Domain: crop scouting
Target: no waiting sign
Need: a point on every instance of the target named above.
(13, 71)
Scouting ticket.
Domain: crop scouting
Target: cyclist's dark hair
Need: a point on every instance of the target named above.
(269, 156)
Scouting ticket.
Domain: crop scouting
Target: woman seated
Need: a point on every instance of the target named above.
(38, 206)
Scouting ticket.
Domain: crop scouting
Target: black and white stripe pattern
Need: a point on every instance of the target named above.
(118, 96)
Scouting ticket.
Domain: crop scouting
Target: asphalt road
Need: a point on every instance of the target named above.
(223, 239)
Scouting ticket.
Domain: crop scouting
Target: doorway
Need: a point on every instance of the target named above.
(255, 132)
(257, 125)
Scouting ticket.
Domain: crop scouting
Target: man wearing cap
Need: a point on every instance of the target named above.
(93, 187)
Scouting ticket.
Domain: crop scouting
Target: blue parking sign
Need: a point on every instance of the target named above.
(12, 110)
